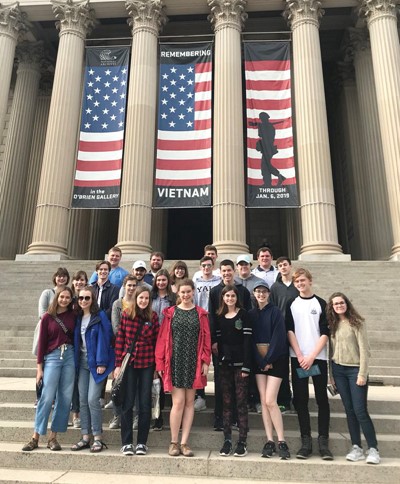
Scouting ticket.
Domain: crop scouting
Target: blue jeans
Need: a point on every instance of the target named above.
(354, 398)
(89, 400)
(58, 385)
(138, 383)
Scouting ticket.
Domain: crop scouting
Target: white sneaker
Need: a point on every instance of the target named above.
(110, 404)
(373, 456)
(200, 404)
(259, 408)
(136, 422)
(355, 454)
(115, 422)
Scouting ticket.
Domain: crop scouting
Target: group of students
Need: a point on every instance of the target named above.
(175, 326)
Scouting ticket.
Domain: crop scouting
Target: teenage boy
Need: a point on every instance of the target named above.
(227, 269)
(308, 335)
(139, 271)
(209, 251)
(244, 275)
(203, 285)
(282, 291)
(265, 270)
(117, 273)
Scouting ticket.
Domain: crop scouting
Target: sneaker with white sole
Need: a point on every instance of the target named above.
(141, 449)
(200, 404)
(259, 408)
(76, 423)
(136, 422)
(355, 454)
(373, 456)
(110, 404)
(128, 449)
(226, 448)
(115, 422)
(240, 449)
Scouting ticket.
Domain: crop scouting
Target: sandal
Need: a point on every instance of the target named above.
(97, 446)
(82, 444)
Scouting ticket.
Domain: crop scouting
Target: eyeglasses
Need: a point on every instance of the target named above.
(206, 265)
(85, 298)
(339, 304)
(257, 291)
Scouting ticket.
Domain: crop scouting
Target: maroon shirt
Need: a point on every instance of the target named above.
(52, 335)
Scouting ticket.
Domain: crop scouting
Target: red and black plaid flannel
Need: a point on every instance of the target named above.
(143, 353)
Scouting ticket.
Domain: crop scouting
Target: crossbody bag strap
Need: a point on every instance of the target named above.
(135, 338)
(63, 327)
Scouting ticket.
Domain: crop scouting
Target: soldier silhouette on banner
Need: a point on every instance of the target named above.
(265, 145)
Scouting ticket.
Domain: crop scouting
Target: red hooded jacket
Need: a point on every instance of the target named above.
(164, 348)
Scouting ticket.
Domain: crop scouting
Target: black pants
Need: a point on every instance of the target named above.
(301, 397)
(138, 381)
(217, 388)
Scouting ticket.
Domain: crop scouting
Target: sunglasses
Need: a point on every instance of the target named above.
(85, 298)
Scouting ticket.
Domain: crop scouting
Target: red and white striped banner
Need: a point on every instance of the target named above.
(271, 174)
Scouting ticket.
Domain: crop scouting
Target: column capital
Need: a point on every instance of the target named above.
(357, 40)
(13, 22)
(146, 15)
(30, 54)
(300, 12)
(376, 9)
(74, 17)
(227, 13)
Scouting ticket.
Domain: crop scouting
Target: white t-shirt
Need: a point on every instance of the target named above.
(84, 325)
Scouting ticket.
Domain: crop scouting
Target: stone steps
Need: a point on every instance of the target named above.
(205, 463)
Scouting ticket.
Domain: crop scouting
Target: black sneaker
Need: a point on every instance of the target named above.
(269, 449)
(128, 449)
(240, 449)
(158, 424)
(284, 453)
(226, 448)
(324, 452)
(218, 424)
(306, 447)
(141, 449)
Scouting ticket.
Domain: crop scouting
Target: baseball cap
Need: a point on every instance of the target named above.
(139, 264)
(260, 284)
(243, 258)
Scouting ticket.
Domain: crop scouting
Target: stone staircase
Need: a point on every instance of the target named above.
(371, 285)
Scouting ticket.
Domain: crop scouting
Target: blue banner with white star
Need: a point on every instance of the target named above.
(101, 138)
(184, 136)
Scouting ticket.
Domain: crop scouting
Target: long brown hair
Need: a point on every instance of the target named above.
(52, 310)
(352, 315)
(172, 275)
(223, 308)
(94, 307)
(134, 311)
(184, 282)
(154, 291)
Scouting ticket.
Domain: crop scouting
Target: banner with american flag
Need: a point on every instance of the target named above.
(183, 160)
(101, 138)
(271, 175)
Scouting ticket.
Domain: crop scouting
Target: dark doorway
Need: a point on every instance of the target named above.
(189, 230)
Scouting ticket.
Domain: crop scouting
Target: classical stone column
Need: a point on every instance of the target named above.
(382, 24)
(229, 222)
(50, 235)
(320, 239)
(158, 236)
(35, 163)
(147, 19)
(355, 149)
(79, 233)
(379, 229)
(18, 143)
(12, 25)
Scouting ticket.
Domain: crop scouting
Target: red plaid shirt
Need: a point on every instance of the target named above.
(143, 353)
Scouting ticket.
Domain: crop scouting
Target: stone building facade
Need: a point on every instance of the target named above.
(346, 87)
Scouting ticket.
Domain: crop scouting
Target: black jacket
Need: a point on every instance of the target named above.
(108, 296)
